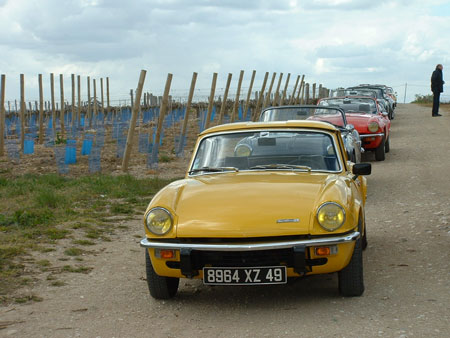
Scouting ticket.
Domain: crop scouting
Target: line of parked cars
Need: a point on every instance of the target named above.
(268, 201)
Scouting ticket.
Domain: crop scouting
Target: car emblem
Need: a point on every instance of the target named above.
(288, 220)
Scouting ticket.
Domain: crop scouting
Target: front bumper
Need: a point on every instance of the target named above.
(295, 254)
(371, 141)
(146, 243)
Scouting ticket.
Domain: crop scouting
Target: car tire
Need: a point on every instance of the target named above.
(351, 280)
(160, 287)
(387, 146)
(380, 151)
(364, 242)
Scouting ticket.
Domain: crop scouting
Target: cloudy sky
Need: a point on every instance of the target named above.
(333, 42)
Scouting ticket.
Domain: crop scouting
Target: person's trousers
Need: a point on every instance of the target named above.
(436, 97)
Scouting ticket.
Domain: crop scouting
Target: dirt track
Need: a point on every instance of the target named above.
(407, 270)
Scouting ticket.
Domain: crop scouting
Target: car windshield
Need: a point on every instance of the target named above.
(331, 115)
(352, 104)
(266, 150)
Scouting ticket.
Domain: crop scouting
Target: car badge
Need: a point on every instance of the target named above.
(288, 220)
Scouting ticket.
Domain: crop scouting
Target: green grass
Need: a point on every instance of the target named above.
(40, 209)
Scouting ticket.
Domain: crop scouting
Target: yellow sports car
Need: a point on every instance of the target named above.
(261, 202)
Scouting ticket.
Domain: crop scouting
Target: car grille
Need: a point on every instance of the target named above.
(242, 258)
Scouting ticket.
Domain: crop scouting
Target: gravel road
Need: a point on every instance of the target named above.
(407, 270)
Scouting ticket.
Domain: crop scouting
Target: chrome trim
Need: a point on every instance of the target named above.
(270, 129)
(146, 243)
(334, 203)
(158, 208)
(370, 135)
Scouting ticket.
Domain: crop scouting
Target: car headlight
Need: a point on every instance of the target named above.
(242, 150)
(373, 126)
(159, 221)
(331, 216)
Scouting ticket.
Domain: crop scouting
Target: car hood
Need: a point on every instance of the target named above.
(251, 204)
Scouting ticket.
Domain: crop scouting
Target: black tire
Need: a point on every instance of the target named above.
(159, 287)
(387, 146)
(351, 279)
(380, 152)
(364, 242)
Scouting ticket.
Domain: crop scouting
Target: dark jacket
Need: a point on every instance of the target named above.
(437, 83)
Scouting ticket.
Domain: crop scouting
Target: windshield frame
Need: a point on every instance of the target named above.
(307, 107)
(191, 172)
(354, 97)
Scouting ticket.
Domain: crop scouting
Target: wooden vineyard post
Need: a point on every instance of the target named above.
(131, 97)
(72, 76)
(247, 102)
(292, 98)
(299, 98)
(41, 110)
(211, 100)
(61, 114)
(186, 115)
(108, 107)
(102, 99)
(236, 100)
(277, 92)
(22, 112)
(260, 98)
(95, 100)
(162, 112)
(52, 93)
(129, 144)
(314, 93)
(307, 93)
(283, 97)
(89, 102)
(78, 100)
(2, 115)
(225, 97)
(269, 92)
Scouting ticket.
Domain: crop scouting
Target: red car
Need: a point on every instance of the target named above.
(365, 114)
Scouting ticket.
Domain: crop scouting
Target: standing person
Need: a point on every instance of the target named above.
(437, 87)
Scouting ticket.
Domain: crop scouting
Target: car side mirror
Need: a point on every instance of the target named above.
(385, 114)
(350, 127)
(359, 169)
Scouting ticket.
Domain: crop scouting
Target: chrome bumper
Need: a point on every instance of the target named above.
(146, 243)
(370, 135)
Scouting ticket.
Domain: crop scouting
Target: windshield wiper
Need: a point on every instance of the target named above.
(281, 166)
(213, 169)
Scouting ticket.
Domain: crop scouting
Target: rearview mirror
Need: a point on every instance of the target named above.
(385, 114)
(362, 169)
(350, 127)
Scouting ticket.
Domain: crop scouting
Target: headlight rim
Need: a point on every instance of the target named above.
(373, 123)
(170, 217)
(332, 203)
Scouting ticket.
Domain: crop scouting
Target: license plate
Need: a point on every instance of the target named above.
(244, 276)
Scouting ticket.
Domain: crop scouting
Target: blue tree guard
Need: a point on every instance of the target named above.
(95, 160)
(71, 152)
(87, 144)
(143, 143)
(12, 148)
(28, 144)
(60, 157)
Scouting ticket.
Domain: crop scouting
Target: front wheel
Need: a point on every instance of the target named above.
(160, 287)
(387, 146)
(351, 280)
(380, 151)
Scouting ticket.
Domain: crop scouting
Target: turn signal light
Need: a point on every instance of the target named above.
(326, 250)
(165, 254)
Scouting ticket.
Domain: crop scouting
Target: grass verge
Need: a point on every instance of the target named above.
(38, 210)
